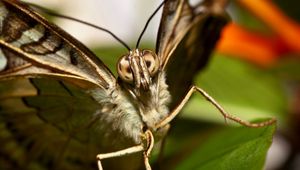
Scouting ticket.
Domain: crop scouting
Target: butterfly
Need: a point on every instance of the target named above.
(60, 106)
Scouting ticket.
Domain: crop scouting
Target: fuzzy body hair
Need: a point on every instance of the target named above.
(121, 119)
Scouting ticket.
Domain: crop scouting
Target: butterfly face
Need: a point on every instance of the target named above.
(60, 105)
(140, 78)
(138, 68)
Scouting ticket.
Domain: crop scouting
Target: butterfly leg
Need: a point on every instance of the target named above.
(226, 115)
(123, 152)
(148, 136)
(146, 147)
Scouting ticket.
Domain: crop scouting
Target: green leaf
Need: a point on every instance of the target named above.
(242, 89)
(229, 149)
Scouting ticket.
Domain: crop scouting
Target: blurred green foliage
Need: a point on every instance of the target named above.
(243, 89)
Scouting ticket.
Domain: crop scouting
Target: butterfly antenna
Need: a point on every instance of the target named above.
(47, 11)
(147, 23)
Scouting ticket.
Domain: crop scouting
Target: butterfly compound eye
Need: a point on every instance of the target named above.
(124, 69)
(152, 61)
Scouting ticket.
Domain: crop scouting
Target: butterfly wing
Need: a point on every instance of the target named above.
(186, 39)
(44, 125)
(28, 42)
(47, 120)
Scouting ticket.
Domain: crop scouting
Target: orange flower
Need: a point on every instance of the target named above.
(257, 47)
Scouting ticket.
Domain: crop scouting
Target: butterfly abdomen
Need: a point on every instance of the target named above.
(127, 119)
(118, 116)
(156, 107)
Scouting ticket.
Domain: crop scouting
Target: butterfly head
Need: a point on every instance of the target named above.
(138, 68)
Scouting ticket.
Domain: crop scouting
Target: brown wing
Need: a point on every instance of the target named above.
(29, 45)
(186, 39)
(47, 120)
(47, 124)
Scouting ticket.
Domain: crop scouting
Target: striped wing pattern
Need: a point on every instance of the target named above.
(47, 120)
(29, 43)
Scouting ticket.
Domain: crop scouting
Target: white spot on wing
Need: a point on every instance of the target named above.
(64, 53)
(61, 56)
(31, 35)
(3, 61)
